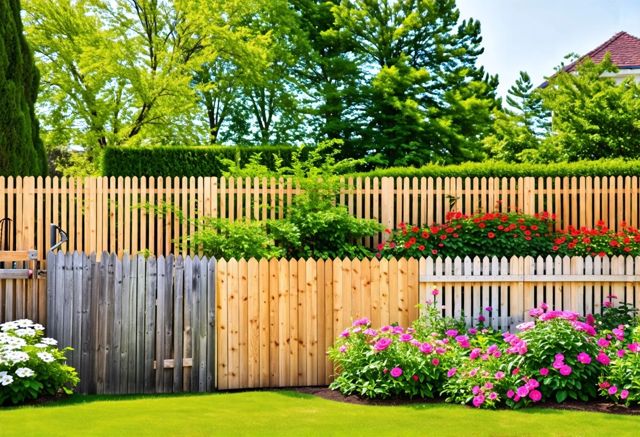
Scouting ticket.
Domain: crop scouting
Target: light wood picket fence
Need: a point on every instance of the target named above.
(189, 324)
(106, 214)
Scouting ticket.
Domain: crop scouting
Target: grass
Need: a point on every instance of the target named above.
(286, 413)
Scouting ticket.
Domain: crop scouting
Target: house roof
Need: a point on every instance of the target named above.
(624, 49)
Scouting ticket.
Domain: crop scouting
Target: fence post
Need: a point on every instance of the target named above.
(528, 193)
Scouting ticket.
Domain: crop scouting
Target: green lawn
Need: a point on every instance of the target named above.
(290, 413)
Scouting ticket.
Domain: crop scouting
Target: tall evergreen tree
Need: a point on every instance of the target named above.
(427, 98)
(21, 151)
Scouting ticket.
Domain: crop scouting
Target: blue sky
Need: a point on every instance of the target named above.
(535, 35)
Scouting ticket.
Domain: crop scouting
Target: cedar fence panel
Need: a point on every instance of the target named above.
(133, 215)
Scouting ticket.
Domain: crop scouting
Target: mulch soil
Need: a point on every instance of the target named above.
(594, 406)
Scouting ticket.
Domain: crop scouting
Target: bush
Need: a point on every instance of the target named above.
(599, 241)
(189, 161)
(622, 381)
(605, 167)
(490, 234)
(30, 365)
(392, 361)
(561, 351)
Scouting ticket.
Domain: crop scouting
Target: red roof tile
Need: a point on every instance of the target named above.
(624, 49)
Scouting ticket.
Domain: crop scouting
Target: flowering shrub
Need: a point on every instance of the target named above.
(615, 314)
(31, 365)
(388, 362)
(621, 381)
(561, 351)
(489, 234)
(599, 241)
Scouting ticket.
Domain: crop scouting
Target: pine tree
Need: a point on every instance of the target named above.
(21, 150)
(524, 99)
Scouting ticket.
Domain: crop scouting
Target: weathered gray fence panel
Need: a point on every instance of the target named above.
(130, 319)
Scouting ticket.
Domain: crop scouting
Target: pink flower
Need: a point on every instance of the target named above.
(624, 394)
(385, 328)
(345, 333)
(581, 326)
(499, 375)
(463, 341)
(435, 292)
(535, 395)
(488, 309)
(607, 304)
(591, 321)
(396, 372)
(603, 359)
(634, 347)
(619, 333)
(397, 330)
(558, 364)
(535, 312)
(544, 306)
(493, 395)
(481, 318)
(566, 370)
(492, 349)
(526, 326)
(361, 322)
(488, 386)
(604, 385)
(452, 371)
(612, 390)
(475, 390)
(370, 332)
(620, 353)
(544, 371)
(522, 391)
(343, 349)
(472, 331)
(559, 357)
(475, 353)
(440, 350)
(533, 383)
(478, 400)
(473, 372)
(382, 344)
(515, 371)
(435, 361)
(426, 348)
(603, 342)
(406, 337)
(451, 333)
(584, 358)
(510, 394)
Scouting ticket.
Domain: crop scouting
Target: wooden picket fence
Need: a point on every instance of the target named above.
(108, 214)
(146, 325)
(136, 325)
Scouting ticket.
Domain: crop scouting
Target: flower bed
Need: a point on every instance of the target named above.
(31, 365)
(507, 234)
(555, 357)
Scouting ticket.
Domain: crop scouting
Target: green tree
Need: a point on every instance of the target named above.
(519, 129)
(593, 116)
(21, 150)
(427, 100)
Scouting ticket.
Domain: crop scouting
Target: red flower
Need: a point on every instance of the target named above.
(415, 229)
(425, 234)
(481, 225)
(434, 251)
(421, 248)
(380, 246)
(491, 235)
(614, 243)
(443, 237)
(602, 254)
(534, 227)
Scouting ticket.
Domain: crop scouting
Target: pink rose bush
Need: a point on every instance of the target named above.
(556, 356)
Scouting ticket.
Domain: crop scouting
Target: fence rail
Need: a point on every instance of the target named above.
(107, 214)
(191, 324)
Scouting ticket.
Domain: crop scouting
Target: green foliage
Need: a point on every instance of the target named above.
(425, 98)
(21, 150)
(489, 234)
(603, 167)
(31, 366)
(388, 362)
(621, 383)
(555, 344)
(593, 116)
(224, 239)
(190, 161)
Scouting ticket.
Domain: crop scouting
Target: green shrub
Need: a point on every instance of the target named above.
(31, 366)
(605, 167)
(189, 161)
(621, 383)
(221, 238)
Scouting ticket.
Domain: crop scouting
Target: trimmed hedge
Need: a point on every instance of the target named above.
(608, 167)
(186, 161)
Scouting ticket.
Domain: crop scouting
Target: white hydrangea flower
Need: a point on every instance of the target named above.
(5, 379)
(41, 345)
(46, 357)
(17, 356)
(38, 327)
(9, 326)
(25, 332)
(24, 372)
(49, 341)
